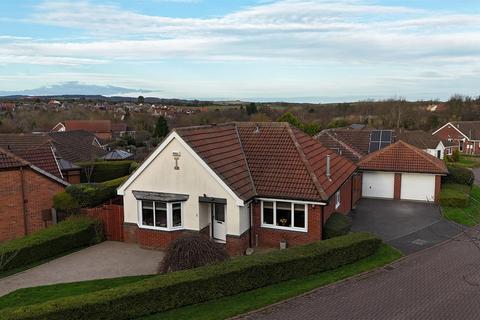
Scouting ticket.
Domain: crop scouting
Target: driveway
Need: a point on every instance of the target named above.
(408, 226)
(439, 283)
(108, 259)
(476, 172)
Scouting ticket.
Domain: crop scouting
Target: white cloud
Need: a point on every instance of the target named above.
(352, 34)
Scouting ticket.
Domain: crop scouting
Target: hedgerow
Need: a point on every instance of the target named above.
(176, 289)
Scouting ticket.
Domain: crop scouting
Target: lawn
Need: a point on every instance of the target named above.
(469, 216)
(29, 296)
(216, 309)
(466, 162)
(234, 305)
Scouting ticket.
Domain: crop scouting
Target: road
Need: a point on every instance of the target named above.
(441, 282)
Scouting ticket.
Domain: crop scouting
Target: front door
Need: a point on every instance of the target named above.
(219, 227)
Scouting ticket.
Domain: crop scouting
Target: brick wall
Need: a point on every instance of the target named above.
(357, 188)
(11, 211)
(236, 245)
(269, 237)
(397, 186)
(438, 186)
(345, 201)
(155, 239)
(452, 133)
(39, 191)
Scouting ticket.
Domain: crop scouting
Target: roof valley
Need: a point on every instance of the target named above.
(246, 161)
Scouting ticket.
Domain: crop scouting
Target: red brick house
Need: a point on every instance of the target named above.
(26, 193)
(243, 184)
(464, 135)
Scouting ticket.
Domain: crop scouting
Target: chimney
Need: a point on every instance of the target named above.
(328, 167)
(257, 129)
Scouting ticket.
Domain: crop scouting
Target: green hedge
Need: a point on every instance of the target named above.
(176, 289)
(67, 235)
(455, 195)
(86, 195)
(337, 225)
(459, 175)
(105, 170)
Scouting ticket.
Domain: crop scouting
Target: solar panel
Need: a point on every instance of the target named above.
(379, 139)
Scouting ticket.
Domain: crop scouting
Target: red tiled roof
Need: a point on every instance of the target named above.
(34, 148)
(402, 157)
(9, 160)
(119, 127)
(94, 126)
(268, 160)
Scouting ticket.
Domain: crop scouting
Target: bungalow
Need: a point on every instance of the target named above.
(26, 193)
(242, 184)
(464, 135)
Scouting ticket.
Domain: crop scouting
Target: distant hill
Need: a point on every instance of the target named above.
(74, 88)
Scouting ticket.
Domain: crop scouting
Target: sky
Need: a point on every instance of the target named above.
(291, 50)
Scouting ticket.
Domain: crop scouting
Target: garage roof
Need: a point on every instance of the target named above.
(403, 157)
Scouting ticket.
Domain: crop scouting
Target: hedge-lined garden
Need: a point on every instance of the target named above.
(176, 289)
(65, 236)
(86, 195)
(102, 171)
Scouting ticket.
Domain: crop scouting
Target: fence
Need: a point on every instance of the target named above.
(112, 217)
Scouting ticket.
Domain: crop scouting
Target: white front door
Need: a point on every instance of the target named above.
(219, 226)
(377, 184)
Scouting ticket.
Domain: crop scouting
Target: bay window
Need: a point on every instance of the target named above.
(160, 214)
(284, 215)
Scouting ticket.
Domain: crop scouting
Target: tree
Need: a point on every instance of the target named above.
(140, 99)
(161, 128)
(311, 128)
(252, 108)
(290, 118)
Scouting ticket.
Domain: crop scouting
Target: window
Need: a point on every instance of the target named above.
(284, 215)
(161, 215)
(337, 199)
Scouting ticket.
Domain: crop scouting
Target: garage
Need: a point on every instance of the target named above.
(378, 184)
(419, 187)
(403, 172)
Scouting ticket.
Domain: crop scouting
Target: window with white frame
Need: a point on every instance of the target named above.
(160, 215)
(337, 199)
(284, 215)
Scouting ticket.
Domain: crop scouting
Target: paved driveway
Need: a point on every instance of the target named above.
(408, 226)
(439, 283)
(108, 259)
(476, 172)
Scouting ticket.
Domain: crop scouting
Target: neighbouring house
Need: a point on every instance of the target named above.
(354, 144)
(402, 171)
(242, 184)
(104, 130)
(55, 152)
(26, 193)
(427, 142)
(463, 135)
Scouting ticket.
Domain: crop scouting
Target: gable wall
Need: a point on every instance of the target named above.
(192, 179)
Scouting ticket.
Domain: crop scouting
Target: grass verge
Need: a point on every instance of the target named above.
(234, 305)
(466, 162)
(469, 216)
(29, 296)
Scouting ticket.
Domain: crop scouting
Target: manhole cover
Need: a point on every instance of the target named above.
(420, 242)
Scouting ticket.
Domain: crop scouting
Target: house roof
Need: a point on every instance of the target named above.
(119, 127)
(118, 155)
(418, 138)
(34, 148)
(268, 160)
(95, 126)
(403, 157)
(76, 146)
(9, 160)
(471, 129)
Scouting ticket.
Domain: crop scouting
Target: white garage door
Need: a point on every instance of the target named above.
(378, 184)
(418, 187)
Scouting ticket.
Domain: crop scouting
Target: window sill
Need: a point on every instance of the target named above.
(160, 228)
(304, 230)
